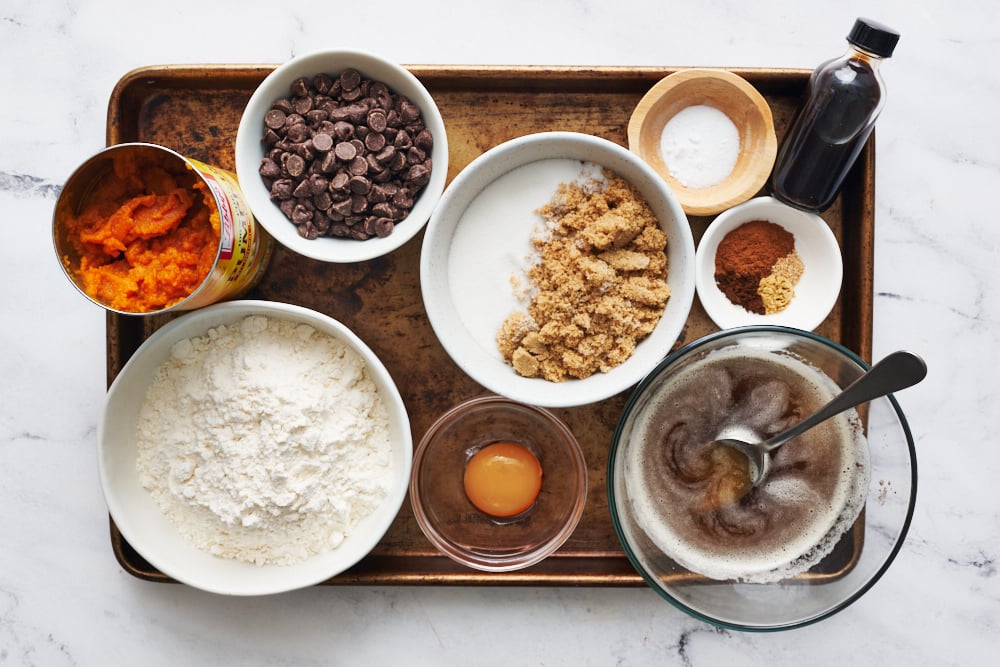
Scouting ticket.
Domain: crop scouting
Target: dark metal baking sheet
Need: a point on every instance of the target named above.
(195, 110)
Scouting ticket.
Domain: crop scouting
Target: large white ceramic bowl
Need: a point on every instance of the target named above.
(157, 539)
(250, 152)
(466, 326)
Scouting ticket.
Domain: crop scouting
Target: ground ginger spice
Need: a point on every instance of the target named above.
(599, 286)
(147, 237)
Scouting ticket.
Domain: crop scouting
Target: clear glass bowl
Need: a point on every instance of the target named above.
(860, 557)
(471, 537)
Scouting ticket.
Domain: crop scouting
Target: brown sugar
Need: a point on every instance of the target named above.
(599, 286)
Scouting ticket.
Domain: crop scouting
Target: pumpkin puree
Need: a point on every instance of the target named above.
(147, 237)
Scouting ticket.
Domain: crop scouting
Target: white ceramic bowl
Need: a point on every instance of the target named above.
(250, 152)
(157, 539)
(818, 288)
(466, 327)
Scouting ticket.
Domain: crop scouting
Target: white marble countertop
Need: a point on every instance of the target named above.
(64, 600)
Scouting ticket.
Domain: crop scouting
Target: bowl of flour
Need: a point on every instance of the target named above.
(253, 447)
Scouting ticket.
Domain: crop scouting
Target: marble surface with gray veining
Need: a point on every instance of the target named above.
(64, 600)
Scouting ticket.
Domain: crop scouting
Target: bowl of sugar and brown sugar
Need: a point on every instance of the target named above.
(764, 262)
(557, 269)
(252, 448)
(342, 155)
(709, 134)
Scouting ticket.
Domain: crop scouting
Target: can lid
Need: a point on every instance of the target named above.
(873, 37)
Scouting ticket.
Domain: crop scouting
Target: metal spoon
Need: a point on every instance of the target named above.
(897, 371)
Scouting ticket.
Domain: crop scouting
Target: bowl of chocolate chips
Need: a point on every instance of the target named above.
(342, 155)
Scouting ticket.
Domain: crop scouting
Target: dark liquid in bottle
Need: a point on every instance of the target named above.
(827, 135)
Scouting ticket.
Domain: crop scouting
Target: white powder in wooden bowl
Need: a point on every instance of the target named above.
(700, 146)
(264, 441)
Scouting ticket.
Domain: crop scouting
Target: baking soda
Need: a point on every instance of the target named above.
(700, 146)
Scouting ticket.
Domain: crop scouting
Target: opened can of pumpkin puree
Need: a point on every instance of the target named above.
(141, 230)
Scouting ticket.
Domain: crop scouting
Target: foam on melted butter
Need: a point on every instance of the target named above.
(812, 495)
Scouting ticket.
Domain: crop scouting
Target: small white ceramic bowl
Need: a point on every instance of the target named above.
(157, 539)
(250, 152)
(818, 288)
(466, 320)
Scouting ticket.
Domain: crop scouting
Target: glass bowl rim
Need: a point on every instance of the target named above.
(524, 559)
(629, 407)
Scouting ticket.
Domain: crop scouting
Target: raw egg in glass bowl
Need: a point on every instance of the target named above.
(498, 485)
(503, 479)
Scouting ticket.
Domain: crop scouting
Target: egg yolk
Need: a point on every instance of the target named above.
(503, 479)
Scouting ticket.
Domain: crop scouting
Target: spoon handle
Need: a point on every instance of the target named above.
(897, 371)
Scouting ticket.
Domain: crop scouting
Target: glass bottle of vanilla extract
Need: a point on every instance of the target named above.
(844, 97)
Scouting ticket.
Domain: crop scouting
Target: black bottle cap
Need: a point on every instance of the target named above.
(873, 37)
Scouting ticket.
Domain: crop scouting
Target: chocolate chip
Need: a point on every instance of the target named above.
(340, 182)
(275, 119)
(343, 130)
(358, 166)
(360, 185)
(284, 104)
(424, 140)
(282, 189)
(343, 208)
(269, 168)
(408, 111)
(301, 214)
(316, 116)
(375, 142)
(377, 120)
(297, 133)
(328, 163)
(302, 190)
(350, 78)
(318, 184)
(322, 83)
(359, 203)
(303, 105)
(345, 151)
(322, 142)
(299, 87)
(295, 165)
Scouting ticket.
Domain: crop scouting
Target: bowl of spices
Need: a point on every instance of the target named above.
(498, 485)
(764, 262)
(709, 133)
(342, 155)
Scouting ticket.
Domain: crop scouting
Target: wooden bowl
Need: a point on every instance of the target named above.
(744, 106)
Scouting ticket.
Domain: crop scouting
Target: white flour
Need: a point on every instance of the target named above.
(264, 441)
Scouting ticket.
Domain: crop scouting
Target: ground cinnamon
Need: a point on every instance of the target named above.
(746, 256)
